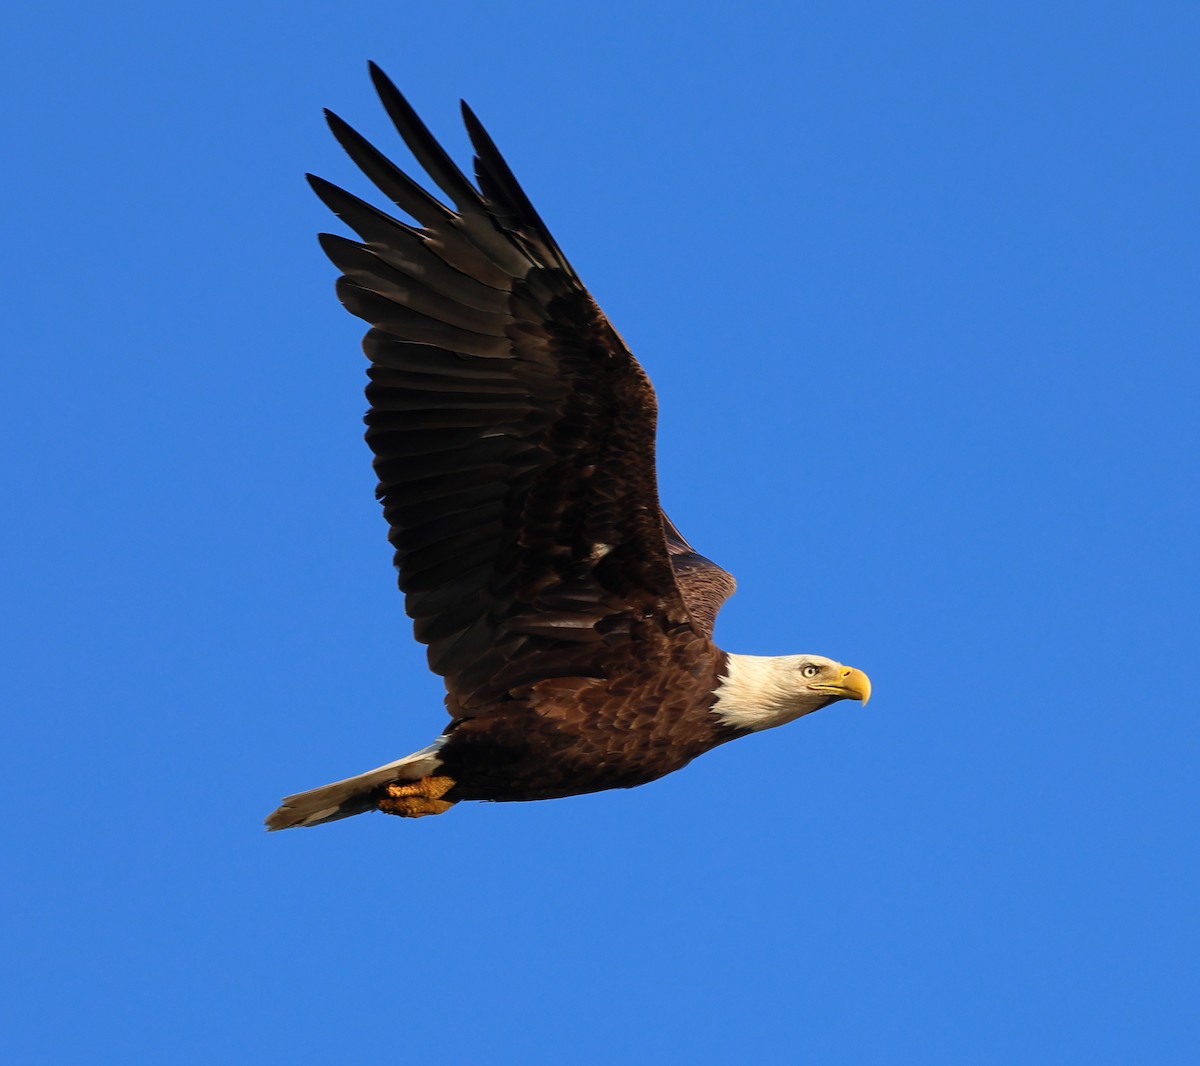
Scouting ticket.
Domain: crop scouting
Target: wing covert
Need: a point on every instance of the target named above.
(704, 585)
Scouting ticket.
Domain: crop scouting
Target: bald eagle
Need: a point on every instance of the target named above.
(513, 434)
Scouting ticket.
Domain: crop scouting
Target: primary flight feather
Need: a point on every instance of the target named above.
(513, 434)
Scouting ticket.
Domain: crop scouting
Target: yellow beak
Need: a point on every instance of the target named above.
(852, 685)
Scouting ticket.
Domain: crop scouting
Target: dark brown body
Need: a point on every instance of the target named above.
(570, 736)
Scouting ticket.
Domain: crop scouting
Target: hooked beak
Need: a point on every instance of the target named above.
(852, 685)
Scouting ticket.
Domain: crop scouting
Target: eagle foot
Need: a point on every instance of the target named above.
(418, 798)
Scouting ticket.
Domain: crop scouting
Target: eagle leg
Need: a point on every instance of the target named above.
(418, 798)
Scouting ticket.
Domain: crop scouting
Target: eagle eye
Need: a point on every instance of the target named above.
(810, 670)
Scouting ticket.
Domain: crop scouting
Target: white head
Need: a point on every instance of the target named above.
(762, 691)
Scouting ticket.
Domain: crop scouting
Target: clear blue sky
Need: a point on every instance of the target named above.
(917, 284)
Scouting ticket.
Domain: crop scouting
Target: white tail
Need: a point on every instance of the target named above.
(354, 795)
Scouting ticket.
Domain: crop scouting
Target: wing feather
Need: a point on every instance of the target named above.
(705, 585)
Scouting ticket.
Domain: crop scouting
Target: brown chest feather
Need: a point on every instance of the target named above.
(568, 736)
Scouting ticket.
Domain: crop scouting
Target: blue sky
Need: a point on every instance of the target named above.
(917, 285)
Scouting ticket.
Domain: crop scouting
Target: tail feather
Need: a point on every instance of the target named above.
(354, 795)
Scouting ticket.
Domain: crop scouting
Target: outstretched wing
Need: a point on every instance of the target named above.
(513, 431)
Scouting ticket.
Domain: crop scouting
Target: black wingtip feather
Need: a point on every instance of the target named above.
(330, 195)
(366, 220)
(423, 145)
(498, 183)
(388, 178)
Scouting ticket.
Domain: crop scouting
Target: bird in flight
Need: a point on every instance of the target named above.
(513, 434)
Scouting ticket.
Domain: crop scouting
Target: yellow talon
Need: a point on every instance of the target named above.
(418, 798)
